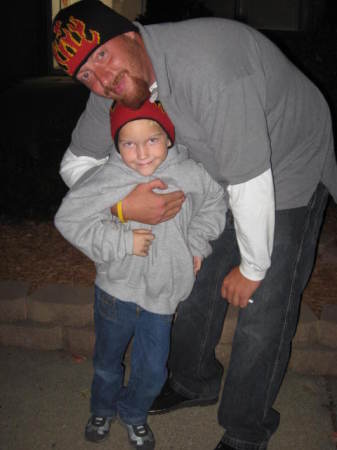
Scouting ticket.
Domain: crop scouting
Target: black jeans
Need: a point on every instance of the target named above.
(262, 342)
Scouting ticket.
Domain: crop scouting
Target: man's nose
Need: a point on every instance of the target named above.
(103, 76)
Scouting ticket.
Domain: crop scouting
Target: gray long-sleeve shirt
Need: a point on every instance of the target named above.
(165, 277)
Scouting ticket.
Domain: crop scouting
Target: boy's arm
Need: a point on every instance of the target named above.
(209, 221)
(85, 220)
(97, 236)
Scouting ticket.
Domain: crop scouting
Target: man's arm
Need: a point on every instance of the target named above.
(253, 207)
(145, 206)
(73, 167)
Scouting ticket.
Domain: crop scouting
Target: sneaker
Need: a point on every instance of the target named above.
(97, 428)
(140, 436)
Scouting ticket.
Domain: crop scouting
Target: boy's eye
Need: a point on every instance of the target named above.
(153, 140)
(127, 144)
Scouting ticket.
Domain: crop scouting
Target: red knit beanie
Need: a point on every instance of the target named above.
(121, 115)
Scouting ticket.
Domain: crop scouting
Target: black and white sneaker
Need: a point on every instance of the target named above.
(97, 428)
(140, 436)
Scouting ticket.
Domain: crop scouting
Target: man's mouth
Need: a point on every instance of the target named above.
(119, 83)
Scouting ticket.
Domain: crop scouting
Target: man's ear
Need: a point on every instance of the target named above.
(132, 35)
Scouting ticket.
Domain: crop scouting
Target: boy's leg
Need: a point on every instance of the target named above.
(114, 326)
(148, 366)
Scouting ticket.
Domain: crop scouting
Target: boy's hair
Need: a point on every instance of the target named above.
(120, 115)
(81, 28)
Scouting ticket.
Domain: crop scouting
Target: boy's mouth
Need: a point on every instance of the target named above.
(144, 163)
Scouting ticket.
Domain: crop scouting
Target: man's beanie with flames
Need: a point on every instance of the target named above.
(81, 28)
(120, 115)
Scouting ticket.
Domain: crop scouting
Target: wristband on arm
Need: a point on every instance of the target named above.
(120, 212)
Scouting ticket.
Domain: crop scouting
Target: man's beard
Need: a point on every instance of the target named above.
(134, 100)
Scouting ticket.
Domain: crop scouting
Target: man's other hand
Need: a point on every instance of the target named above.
(237, 289)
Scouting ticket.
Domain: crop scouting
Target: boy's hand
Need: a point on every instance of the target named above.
(145, 206)
(142, 239)
(197, 261)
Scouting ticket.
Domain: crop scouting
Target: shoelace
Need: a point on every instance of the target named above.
(140, 429)
(97, 421)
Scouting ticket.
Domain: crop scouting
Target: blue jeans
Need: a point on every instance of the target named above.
(262, 342)
(116, 322)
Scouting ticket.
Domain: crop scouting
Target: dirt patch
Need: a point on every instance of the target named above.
(38, 254)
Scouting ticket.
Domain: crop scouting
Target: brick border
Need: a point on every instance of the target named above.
(60, 316)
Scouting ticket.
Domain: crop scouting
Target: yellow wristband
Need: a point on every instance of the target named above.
(120, 212)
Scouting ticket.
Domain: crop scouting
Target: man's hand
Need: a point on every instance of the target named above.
(238, 289)
(197, 261)
(145, 206)
(142, 239)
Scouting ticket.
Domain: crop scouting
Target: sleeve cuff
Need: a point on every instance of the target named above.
(252, 273)
(129, 242)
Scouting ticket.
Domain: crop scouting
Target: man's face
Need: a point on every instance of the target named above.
(119, 69)
(143, 145)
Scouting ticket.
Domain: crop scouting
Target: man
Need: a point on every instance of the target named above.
(263, 131)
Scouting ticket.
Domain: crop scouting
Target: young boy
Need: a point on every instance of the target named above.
(142, 272)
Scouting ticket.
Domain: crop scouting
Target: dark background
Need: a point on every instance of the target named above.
(41, 106)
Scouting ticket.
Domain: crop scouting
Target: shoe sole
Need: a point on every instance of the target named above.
(184, 404)
(96, 441)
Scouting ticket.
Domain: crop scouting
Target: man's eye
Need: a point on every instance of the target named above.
(153, 140)
(85, 76)
(101, 54)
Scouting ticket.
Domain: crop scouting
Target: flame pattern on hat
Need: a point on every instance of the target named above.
(72, 43)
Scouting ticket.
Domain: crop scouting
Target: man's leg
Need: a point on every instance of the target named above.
(262, 341)
(198, 326)
(196, 373)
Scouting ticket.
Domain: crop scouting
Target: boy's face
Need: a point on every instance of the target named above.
(119, 69)
(143, 145)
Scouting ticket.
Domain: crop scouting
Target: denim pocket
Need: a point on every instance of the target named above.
(166, 318)
(106, 305)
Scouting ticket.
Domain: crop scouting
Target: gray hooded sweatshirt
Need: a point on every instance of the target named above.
(159, 281)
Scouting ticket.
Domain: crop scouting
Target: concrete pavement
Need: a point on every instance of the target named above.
(44, 401)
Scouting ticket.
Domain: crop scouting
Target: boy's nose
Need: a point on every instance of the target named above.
(142, 152)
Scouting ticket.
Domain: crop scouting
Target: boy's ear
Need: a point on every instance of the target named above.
(169, 143)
